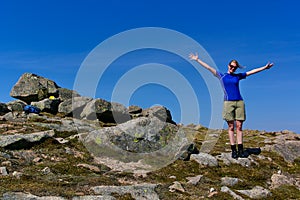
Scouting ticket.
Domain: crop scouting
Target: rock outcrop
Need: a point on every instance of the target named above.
(31, 87)
(84, 148)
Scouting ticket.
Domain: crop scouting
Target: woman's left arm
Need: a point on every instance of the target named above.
(254, 71)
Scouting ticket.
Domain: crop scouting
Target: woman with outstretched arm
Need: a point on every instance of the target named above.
(234, 106)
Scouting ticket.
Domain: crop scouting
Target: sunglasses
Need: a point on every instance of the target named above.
(232, 66)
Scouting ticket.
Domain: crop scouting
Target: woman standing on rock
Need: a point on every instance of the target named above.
(234, 107)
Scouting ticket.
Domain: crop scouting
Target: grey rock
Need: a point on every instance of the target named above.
(140, 135)
(160, 112)
(10, 116)
(5, 155)
(3, 171)
(139, 144)
(47, 105)
(187, 150)
(17, 174)
(176, 187)
(6, 163)
(194, 180)
(46, 170)
(211, 138)
(26, 196)
(225, 189)
(31, 87)
(65, 94)
(228, 181)
(26, 156)
(205, 159)
(280, 179)
(74, 106)
(67, 125)
(94, 197)
(105, 111)
(96, 105)
(15, 117)
(89, 167)
(228, 160)
(289, 150)
(3, 109)
(134, 109)
(140, 192)
(61, 140)
(119, 112)
(19, 141)
(16, 105)
(257, 192)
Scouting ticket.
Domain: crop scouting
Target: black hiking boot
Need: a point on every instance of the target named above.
(234, 153)
(241, 152)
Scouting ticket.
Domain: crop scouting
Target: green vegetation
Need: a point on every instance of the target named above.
(67, 179)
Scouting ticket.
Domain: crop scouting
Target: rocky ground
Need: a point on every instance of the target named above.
(67, 152)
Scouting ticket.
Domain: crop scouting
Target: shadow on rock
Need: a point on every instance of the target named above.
(250, 151)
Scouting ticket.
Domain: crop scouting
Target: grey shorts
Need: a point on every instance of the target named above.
(234, 110)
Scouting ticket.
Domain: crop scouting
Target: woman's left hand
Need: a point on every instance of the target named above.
(269, 65)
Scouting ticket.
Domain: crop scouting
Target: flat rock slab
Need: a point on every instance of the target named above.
(256, 193)
(205, 159)
(228, 160)
(139, 192)
(20, 141)
(28, 196)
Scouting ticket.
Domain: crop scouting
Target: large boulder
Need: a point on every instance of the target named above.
(16, 105)
(144, 143)
(135, 111)
(65, 94)
(31, 87)
(47, 105)
(160, 112)
(105, 111)
(286, 144)
(73, 107)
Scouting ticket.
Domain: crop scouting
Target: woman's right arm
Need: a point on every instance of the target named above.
(205, 65)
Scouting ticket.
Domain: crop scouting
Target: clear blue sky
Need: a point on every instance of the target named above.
(52, 38)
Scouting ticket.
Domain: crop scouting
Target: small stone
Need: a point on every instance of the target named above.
(212, 194)
(176, 187)
(37, 160)
(269, 159)
(140, 174)
(44, 156)
(6, 163)
(194, 180)
(46, 170)
(62, 140)
(3, 171)
(89, 167)
(172, 177)
(17, 174)
(79, 194)
(225, 189)
(228, 181)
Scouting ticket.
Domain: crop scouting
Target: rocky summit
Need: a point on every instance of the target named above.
(78, 147)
